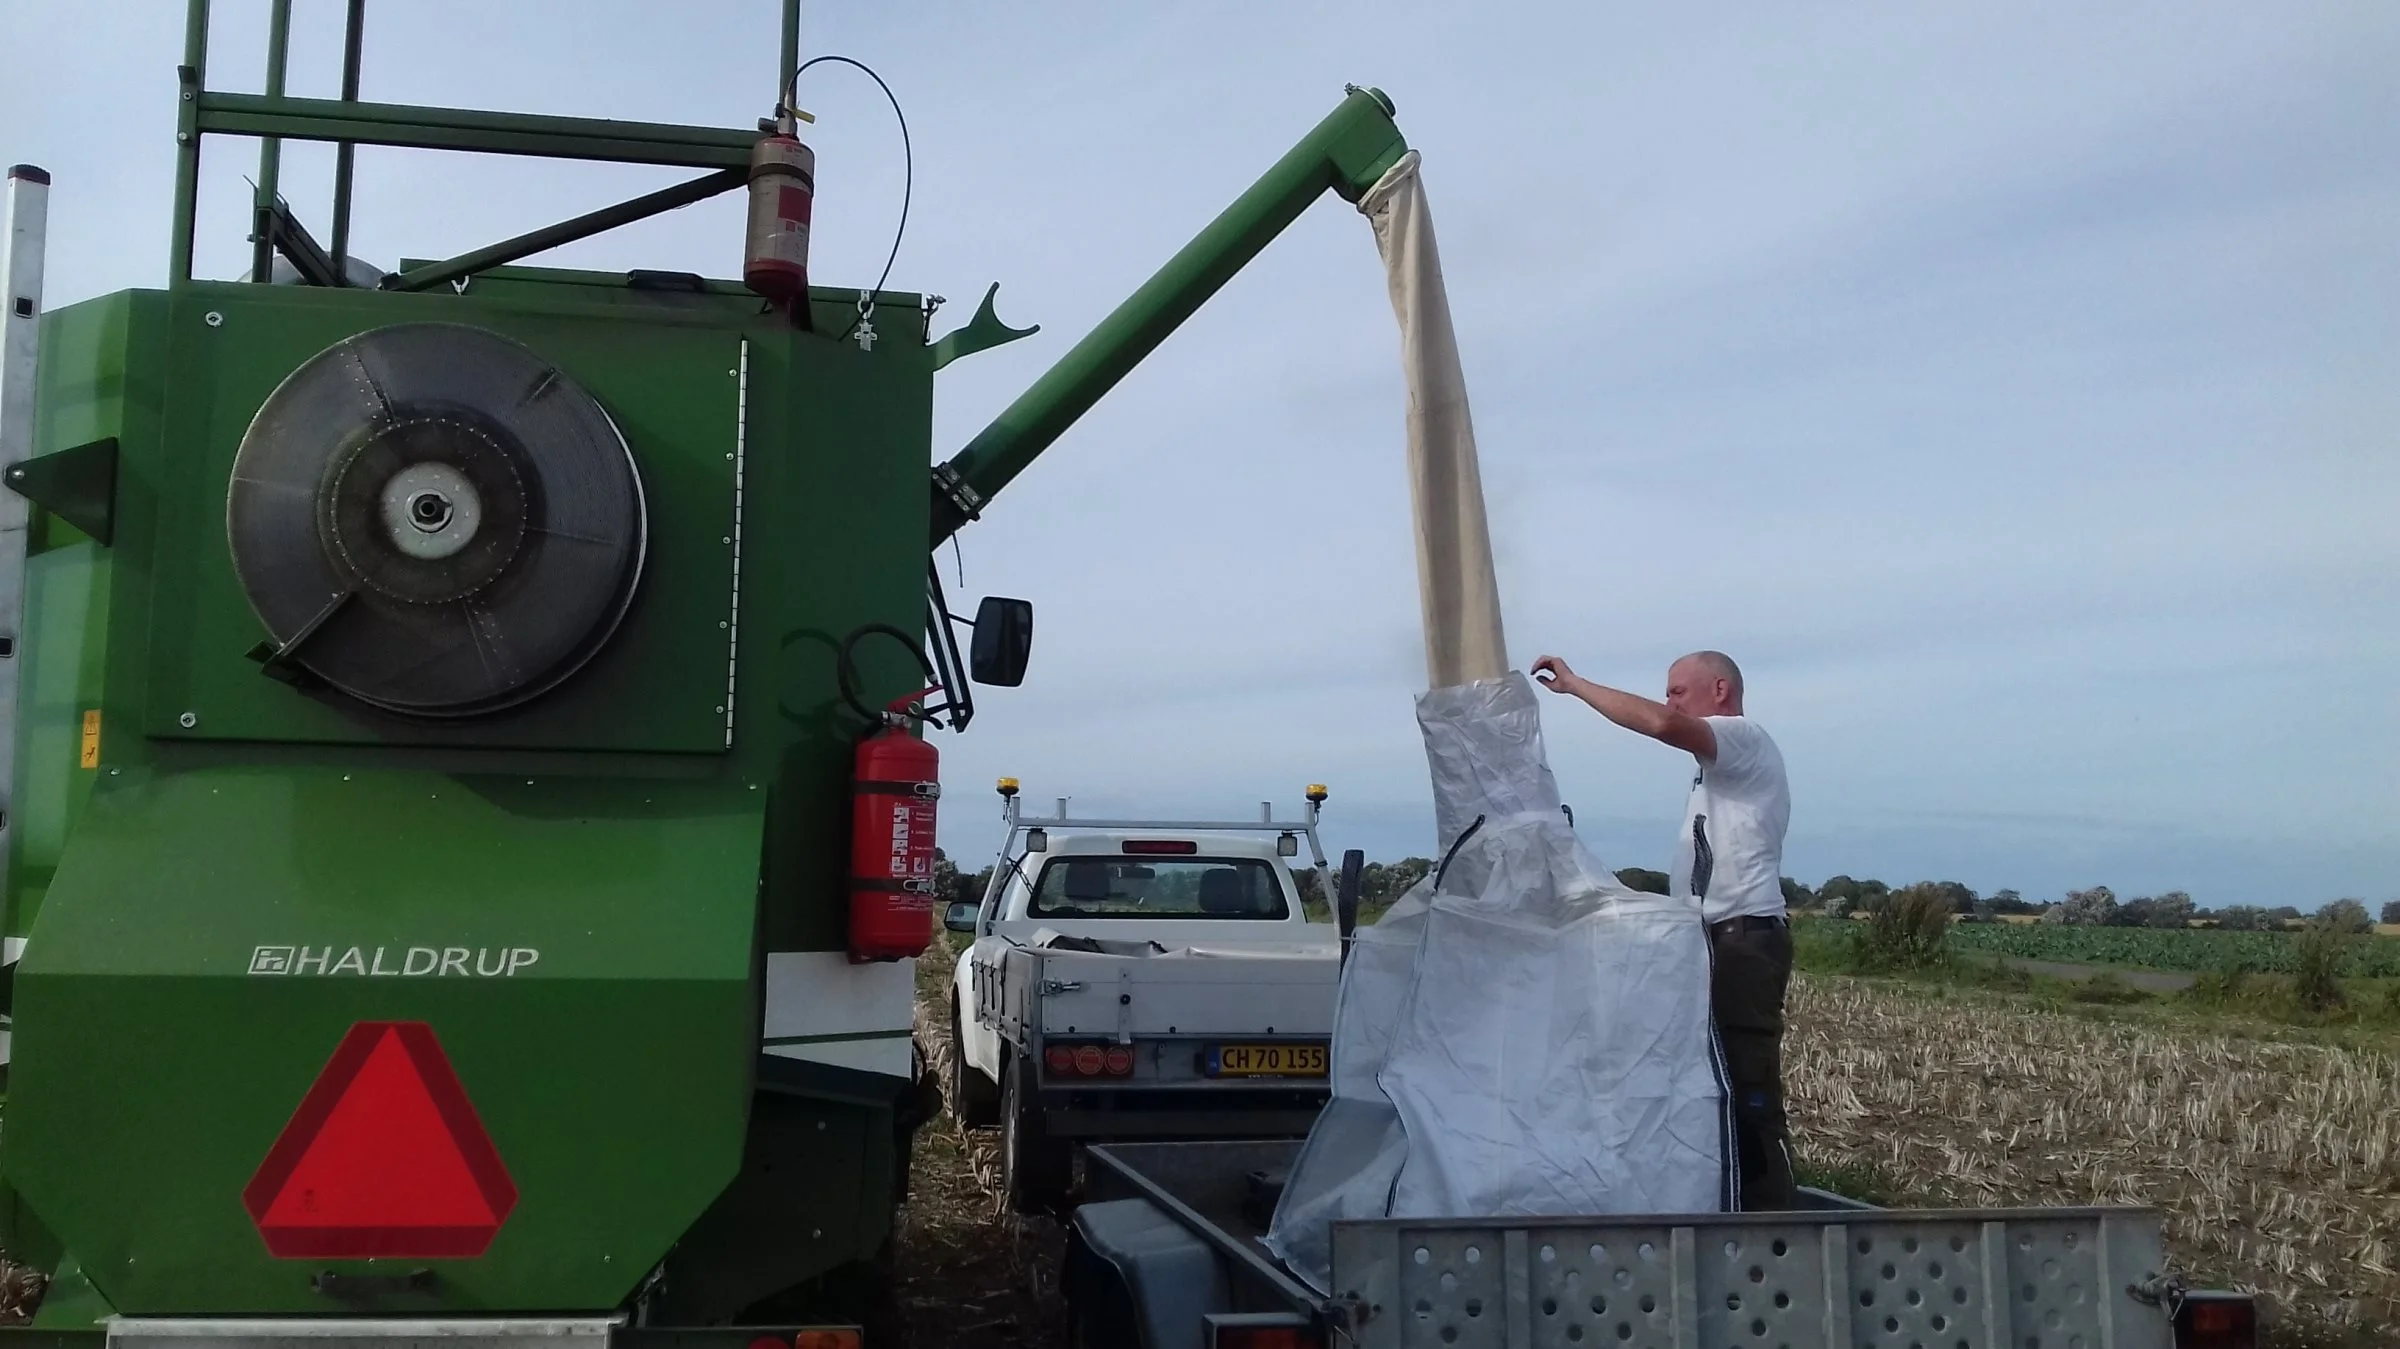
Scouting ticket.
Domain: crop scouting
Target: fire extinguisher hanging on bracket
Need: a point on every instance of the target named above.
(895, 780)
(783, 188)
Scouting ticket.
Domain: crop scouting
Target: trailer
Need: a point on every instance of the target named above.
(1167, 1254)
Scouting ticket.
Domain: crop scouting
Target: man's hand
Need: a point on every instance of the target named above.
(1631, 710)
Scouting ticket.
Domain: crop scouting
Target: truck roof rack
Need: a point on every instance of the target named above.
(1013, 815)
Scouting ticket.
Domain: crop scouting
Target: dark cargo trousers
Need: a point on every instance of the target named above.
(1751, 965)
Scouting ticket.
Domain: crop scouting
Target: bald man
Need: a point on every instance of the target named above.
(1729, 859)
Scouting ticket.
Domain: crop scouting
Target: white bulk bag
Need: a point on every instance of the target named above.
(1531, 1038)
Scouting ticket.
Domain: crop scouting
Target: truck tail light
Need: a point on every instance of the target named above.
(820, 1339)
(1161, 846)
(1089, 1059)
(2213, 1320)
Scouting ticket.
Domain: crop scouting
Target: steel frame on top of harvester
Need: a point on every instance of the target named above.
(274, 116)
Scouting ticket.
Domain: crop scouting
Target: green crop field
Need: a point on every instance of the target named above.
(2166, 949)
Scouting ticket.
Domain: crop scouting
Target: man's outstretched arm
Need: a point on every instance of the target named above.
(1631, 710)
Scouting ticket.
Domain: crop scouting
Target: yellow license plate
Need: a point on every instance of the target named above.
(1267, 1061)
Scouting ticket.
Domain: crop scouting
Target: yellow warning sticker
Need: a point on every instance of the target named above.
(91, 738)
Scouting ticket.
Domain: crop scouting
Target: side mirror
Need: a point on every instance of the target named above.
(1003, 642)
(960, 917)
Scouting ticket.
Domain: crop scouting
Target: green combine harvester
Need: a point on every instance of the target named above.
(442, 894)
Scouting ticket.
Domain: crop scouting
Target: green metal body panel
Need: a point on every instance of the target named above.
(611, 825)
(165, 1036)
(100, 379)
(659, 684)
(803, 1112)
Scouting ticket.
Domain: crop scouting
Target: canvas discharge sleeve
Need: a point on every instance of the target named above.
(1455, 580)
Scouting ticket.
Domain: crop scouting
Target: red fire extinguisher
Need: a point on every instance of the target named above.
(895, 779)
(783, 187)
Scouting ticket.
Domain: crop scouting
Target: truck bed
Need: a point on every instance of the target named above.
(1266, 994)
(2047, 1278)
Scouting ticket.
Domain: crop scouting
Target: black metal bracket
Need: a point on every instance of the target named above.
(282, 663)
(568, 231)
(646, 278)
(283, 232)
(949, 669)
(358, 1287)
(77, 485)
(954, 503)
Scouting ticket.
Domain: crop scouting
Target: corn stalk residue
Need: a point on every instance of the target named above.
(2277, 1165)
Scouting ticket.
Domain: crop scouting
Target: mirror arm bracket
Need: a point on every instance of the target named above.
(948, 668)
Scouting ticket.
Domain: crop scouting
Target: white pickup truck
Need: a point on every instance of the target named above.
(1142, 979)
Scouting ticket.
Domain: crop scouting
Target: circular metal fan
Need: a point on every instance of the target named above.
(433, 519)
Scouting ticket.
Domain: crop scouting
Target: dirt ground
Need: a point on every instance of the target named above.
(20, 1293)
(969, 1274)
(2148, 981)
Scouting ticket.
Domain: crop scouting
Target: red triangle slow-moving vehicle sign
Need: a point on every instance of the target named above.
(385, 1158)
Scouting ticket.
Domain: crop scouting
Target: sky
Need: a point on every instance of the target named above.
(2011, 390)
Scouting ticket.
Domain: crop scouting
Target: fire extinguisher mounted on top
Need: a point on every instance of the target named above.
(895, 779)
(783, 187)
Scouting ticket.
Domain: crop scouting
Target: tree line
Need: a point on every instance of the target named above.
(2098, 906)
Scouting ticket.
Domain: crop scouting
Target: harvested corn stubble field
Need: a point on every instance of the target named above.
(968, 1273)
(2277, 1163)
(20, 1292)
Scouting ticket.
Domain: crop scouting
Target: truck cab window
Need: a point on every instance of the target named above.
(1183, 887)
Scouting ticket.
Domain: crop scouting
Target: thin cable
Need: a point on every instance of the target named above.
(908, 161)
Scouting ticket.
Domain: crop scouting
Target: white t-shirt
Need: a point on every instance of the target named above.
(1730, 854)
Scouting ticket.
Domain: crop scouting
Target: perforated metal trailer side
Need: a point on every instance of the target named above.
(1167, 1256)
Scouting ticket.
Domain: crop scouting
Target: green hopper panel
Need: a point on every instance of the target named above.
(212, 935)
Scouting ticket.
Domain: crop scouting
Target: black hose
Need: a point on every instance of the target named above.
(908, 162)
(1444, 868)
(846, 670)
